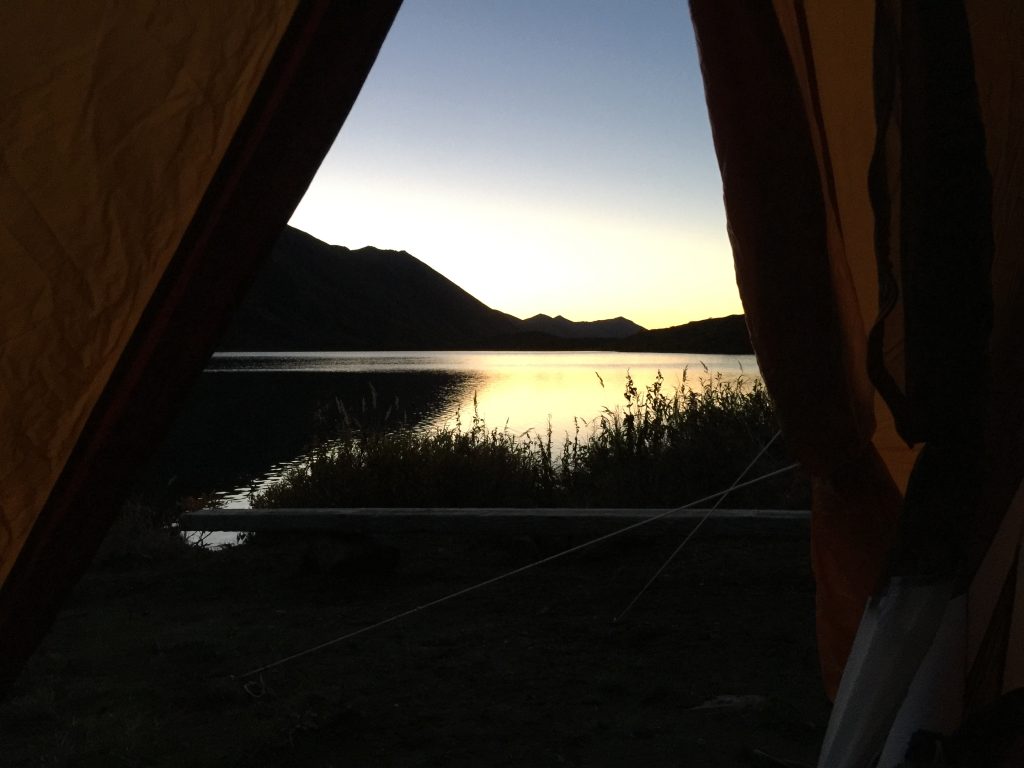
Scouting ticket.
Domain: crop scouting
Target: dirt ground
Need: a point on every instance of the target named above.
(715, 661)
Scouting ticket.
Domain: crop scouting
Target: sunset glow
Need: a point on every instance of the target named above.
(546, 161)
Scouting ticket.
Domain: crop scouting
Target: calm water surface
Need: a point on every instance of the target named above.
(524, 392)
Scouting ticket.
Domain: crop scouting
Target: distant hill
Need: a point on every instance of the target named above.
(717, 335)
(616, 328)
(315, 296)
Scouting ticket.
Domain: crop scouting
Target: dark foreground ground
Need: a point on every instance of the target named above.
(716, 660)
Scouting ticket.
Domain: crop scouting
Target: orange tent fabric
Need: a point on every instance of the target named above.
(785, 223)
(98, 112)
(870, 157)
(152, 152)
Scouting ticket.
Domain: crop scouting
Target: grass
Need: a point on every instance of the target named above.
(659, 449)
(136, 670)
(141, 532)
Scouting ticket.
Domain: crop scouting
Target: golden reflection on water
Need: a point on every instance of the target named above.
(529, 391)
(520, 391)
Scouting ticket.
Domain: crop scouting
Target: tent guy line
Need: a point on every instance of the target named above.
(693, 531)
(508, 574)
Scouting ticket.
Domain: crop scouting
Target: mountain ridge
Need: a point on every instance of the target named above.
(314, 296)
(612, 328)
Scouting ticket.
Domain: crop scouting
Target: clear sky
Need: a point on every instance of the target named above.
(545, 155)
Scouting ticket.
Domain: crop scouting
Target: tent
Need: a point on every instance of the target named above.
(152, 153)
(870, 157)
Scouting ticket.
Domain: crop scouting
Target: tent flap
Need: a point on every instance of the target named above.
(871, 156)
(793, 276)
(195, 189)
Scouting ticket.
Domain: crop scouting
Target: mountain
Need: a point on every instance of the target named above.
(315, 296)
(716, 335)
(311, 295)
(616, 328)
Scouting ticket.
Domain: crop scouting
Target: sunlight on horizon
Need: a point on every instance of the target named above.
(586, 185)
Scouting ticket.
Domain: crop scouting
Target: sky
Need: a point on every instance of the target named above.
(548, 156)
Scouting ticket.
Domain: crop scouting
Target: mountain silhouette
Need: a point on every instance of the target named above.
(314, 296)
(717, 335)
(616, 328)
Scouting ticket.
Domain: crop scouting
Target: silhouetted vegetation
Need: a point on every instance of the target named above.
(657, 450)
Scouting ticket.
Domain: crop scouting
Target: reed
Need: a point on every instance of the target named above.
(657, 449)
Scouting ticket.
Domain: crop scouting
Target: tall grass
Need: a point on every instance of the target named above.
(658, 449)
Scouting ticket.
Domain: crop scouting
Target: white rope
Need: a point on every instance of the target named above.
(508, 574)
(696, 528)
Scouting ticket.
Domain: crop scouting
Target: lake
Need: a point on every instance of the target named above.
(253, 415)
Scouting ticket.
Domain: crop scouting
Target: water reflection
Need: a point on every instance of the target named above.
(254, 415)
(239, 429)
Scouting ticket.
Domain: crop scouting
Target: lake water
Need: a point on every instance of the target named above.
(252, 414)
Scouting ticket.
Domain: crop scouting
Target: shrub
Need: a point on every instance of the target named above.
(140, 533)
(658, 450)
